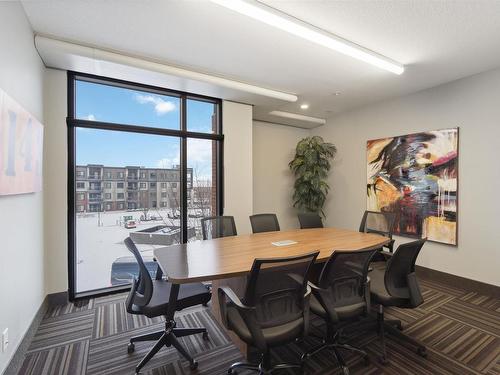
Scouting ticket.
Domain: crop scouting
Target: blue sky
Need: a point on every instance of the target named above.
(112, 104)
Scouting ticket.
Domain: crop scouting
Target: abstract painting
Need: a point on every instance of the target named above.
(416, 177)
(21, 146)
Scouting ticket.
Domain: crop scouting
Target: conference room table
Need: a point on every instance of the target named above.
(228, 260)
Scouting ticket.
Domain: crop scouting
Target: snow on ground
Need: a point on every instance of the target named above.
(99, 242)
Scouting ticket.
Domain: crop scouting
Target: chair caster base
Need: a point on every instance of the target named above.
(205, 336)
(130, 348)
(193, 365)
(422, 352)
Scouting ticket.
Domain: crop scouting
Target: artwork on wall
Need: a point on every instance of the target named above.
(21, 147)
(416, 176)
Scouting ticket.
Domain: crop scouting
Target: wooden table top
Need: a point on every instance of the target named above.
(227, 257)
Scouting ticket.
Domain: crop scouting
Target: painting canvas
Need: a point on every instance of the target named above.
(416, 177)
(21, 146)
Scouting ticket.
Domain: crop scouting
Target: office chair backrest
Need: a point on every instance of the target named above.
(344, 276)
(264, 223)
(275, 291)
(218, 226)
(310, 220)
(142, 287)
(400, 279)
(378, 222)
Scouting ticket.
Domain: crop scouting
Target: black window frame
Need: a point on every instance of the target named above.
(182, 133)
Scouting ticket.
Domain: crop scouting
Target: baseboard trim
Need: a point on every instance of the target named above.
(57, 299)
(17, 359)
(464, 283)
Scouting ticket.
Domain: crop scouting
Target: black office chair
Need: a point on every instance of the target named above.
(380, 223)
(153, 298)
(310, 220)
(218, 226)
(264, 223)
(396, 285)
(341, 296)
(274, 310)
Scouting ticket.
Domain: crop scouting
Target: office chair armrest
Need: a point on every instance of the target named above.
(390, 245)
(366, 287)
(315, 288)
(225, 291)
(306, 308)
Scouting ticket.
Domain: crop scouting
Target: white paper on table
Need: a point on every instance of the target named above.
(284, 243)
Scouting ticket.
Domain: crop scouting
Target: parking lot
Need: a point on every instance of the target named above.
(99, 240)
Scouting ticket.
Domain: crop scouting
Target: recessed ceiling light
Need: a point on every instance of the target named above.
(304, 106)
(296, 116)
(336, 93)
(303, 30)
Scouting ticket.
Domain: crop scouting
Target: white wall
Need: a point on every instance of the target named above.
(56, 159)
(473, 104)
(21, 216)
(238, 174)
(273, 148)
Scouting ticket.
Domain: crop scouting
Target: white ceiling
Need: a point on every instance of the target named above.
(438, 41)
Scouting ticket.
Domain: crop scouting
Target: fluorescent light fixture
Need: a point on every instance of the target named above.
(304, 106)
(56, 53)
(296, 116)
(303, 30)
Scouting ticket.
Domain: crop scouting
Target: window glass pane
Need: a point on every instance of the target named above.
(201, 183)
(201, 116)
(98, 102)
(118, 179)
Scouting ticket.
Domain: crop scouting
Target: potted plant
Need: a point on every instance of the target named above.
(310, 167)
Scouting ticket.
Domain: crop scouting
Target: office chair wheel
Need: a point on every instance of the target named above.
(345, 370)
(205, 336)
(130, 348)
(383, 360)
(422, 352)
(193, 365)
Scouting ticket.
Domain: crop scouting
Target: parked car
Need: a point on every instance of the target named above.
(124, 269)
(129, 224)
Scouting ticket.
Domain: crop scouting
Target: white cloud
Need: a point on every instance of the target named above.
(90, 117)
(161, 106)
(199, 158)
(168, 162)
(199, 153)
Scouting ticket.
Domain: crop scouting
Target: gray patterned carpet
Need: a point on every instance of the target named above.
(461, 331)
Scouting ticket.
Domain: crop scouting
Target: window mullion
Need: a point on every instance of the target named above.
(184, 190)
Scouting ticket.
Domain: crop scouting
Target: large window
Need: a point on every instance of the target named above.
(144, 162)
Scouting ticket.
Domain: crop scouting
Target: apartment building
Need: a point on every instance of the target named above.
(102, 188)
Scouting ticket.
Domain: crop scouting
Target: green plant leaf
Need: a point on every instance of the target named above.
(310, 166)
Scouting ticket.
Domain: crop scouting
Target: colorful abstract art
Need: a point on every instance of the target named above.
(416, 177)
(21, 148)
